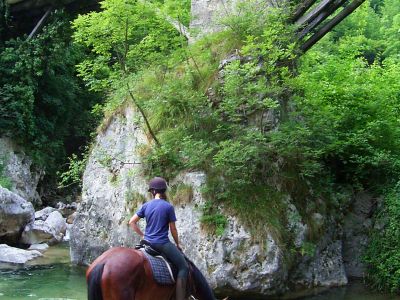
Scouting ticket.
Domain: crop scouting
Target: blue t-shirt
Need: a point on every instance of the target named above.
(158, 213)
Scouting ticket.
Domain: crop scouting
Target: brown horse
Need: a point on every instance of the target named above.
(125, 274)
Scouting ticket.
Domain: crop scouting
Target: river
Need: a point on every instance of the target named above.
(53, 277)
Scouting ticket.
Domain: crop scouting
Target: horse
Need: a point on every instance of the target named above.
(125, 274)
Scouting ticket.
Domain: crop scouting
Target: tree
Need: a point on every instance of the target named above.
(125, 37)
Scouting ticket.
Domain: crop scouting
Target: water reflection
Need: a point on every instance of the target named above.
(354, 291)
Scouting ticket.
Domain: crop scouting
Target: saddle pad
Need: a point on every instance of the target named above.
(163, 272)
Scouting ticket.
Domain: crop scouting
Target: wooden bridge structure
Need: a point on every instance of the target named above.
(314, 18)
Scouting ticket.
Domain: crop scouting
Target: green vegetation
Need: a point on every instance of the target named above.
(43, 105)
(383, 254)
(269, 125)
(212, 219)
(4, 180)
(350, 104)
(336, 107)
(180, 194)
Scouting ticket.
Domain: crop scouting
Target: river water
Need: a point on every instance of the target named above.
(54, 278)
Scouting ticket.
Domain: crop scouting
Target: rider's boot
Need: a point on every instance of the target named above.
(180, 288)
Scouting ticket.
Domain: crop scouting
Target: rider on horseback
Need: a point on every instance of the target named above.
(160, 217)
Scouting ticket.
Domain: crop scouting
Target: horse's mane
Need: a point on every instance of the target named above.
(202, 286)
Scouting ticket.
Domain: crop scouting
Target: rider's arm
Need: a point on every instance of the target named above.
(174, 233)
(133, 223)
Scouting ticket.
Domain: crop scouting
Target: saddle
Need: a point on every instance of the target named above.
(164, 272)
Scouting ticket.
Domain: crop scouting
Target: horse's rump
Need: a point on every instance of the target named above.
(126, 275)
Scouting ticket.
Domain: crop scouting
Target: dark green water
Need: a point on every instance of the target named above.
(353, 291)
(53, 277)
(50, 277)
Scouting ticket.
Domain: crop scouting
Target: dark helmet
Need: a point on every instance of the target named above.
(157, 183)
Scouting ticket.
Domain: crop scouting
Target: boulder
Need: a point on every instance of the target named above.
(111, 191)
(15, 255)
(56, 221)
(15, 213)
(39, 247)
(66, 209)
(50, 231)
(71, 218)
(44, 213)
(67, 235)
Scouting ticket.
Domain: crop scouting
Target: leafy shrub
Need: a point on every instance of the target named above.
(44, 106)
(212, 219)
(383, 252)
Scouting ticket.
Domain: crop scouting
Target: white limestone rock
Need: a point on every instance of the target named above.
(19, 168)
(15, 213)
(51, 231)
(15, 255)
(209, 16)
(39, 247)
(44, 213)
(112, 190)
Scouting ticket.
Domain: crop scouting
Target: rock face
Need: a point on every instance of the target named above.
(15, 213)
(356, 227)
(233, 264)
(16, 256)
(20, 170)
(110, 190)
(113, 188)
(208, 15)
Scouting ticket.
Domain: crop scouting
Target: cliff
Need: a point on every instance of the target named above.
(235, 263)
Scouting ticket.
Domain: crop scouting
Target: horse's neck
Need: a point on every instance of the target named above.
(202, 289)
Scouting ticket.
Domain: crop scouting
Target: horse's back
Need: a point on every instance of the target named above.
(118, 257)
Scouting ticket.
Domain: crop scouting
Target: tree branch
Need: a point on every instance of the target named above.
(40, 24)
(143, 115)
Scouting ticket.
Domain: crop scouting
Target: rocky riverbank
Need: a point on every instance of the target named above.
(24, 233)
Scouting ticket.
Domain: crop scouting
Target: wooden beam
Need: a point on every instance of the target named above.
(330, 25)
(303, 7)
(305, 19)
(320, 18)
(40, 24)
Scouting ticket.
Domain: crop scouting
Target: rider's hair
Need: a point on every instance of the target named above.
(162, 193)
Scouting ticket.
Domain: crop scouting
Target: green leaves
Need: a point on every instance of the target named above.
(351, 109)
(125, 37)
(383, 252)
(42, 104)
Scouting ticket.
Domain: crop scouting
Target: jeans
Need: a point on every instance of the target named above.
(175, 256)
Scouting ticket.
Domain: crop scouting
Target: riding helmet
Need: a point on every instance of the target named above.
(157, 183)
